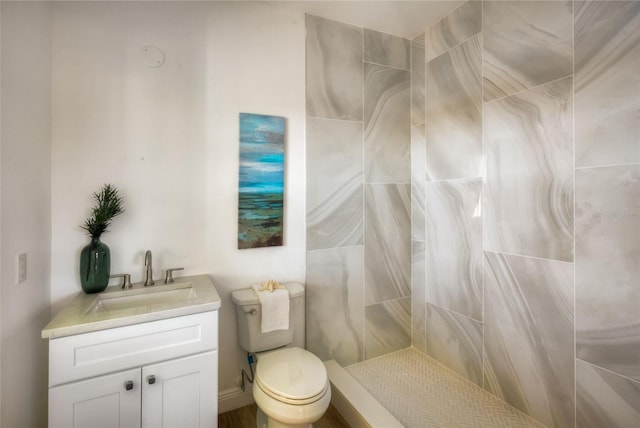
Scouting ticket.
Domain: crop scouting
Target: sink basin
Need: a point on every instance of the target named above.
(156, 295)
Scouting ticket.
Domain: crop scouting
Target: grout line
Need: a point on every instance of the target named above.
(447, 15)
(459, 179)
(424, 178)
(605, 166)
(333, 119)
(378, 357)
(411, 208)
(604, 369)
(449, 49)
(526, 256)
(364, 217)
(388, 182)
(529, 89)
(333, 248)
(483, 185)
(386, 65)
(573, 116)
(395, 299)
(454, 312)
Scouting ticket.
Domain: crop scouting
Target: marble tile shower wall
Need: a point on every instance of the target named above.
(525, 145)
(510, 249)
(358, 191)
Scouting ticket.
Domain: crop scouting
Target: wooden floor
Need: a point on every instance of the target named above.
(245, 417)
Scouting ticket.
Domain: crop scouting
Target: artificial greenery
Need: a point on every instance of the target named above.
(109, 205)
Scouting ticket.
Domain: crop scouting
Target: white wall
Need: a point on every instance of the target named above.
(25, 210)
(168, 139)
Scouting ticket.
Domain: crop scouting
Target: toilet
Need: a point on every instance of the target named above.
(290, 387)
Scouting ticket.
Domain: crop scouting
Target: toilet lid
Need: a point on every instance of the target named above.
(291, 374)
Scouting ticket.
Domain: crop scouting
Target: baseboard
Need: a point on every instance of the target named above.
(234, 398)
(354, 403)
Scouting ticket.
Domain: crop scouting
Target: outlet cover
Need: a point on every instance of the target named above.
(21, 268)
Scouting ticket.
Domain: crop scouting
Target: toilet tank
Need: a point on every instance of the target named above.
(249, 313)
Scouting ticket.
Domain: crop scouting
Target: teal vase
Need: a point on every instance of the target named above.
(95, 265)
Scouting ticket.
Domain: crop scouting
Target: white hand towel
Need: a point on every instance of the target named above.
(275, 308)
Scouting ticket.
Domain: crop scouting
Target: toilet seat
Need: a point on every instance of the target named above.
(292, 375)
(295, 402)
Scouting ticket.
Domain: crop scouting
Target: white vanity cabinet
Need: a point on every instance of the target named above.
(160, 373)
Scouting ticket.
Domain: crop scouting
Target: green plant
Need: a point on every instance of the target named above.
(109, 204)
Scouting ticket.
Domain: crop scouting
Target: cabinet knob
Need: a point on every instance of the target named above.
(151, 379)
(128, 385)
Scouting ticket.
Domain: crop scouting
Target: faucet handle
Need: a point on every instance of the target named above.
(168, 278)
(126, 280)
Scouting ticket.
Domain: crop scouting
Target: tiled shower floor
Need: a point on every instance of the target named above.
(421, 392)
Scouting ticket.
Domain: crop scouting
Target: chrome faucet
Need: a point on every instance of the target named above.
(149, 270)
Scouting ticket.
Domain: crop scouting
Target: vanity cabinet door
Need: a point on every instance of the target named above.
(105, 401)
(181, 393)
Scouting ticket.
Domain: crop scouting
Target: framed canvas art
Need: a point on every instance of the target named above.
(261, 181)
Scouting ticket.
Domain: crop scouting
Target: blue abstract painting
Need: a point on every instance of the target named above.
(261, 196)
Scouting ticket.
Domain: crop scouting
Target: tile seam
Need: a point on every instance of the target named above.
(455, 312)
(608, 166)
(609, 371)
(573, 117)
(452, 47)
(386, 65)
(528, 89)
(528, 257)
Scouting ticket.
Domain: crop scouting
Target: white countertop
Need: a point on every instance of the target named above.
(78, 317)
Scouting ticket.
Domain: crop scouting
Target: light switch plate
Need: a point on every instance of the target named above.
(21, 268)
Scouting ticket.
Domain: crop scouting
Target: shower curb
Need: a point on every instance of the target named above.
(354, 403)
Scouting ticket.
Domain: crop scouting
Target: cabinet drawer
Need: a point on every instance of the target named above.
(91, 354)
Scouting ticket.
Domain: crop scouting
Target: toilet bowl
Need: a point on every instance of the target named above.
(291, 387)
